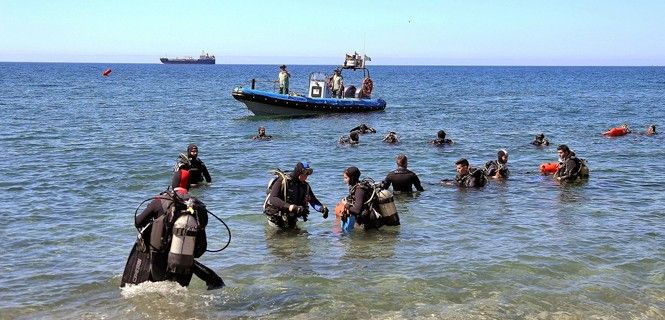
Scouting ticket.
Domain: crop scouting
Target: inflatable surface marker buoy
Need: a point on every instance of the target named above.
(549, 168)
(106, 72)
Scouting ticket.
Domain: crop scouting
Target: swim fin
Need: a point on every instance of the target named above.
(206, 274)
(137, 269)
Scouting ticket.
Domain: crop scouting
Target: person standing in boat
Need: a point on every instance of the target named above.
(284, 80)
(337, 84)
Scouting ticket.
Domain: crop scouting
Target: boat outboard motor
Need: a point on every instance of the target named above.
(350, 92)
(185, 228)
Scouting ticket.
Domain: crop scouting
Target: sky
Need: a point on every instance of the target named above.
(414, 32)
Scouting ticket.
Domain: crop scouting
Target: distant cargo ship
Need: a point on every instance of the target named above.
(204, 58)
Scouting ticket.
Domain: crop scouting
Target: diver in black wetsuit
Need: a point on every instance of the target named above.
(402, 179)
(363, 128)
(290, 197)
(197, 169)
(162, 214)
(540, 140)
(467, 177)
(262, 135)
(571, 167)
(391, 137)
(441, 139)
(651, 130)
(352, 138)
(498, 169)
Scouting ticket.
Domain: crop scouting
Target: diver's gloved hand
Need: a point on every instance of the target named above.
(324, 210)
(298, 210)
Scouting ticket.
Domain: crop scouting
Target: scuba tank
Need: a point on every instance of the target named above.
(183, 240)
(386, 203)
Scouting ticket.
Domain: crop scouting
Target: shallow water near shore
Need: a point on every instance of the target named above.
(81, 151)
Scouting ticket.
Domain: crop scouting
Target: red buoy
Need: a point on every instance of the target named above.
(616, 132)
(549, 168)
(106, 72)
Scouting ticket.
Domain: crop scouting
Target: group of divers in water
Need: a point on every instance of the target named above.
(171, 229)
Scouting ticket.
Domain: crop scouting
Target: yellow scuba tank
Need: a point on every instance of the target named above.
(183, 241)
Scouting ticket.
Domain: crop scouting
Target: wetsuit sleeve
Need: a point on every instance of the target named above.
(275, 193)
(313, 201)
(149, 213)
(416, 183)
(206, 174)
(358, 200)
(385, 184)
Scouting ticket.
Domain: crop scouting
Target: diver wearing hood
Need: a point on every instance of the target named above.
(540, 140)
(197, 169)
(391, 137)
(498, 169)
(177, 224)
(357, 204)
(290, 196)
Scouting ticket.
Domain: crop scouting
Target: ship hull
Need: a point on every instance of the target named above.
(187, 61)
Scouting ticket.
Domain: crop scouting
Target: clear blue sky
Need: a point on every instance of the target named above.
(472, 32)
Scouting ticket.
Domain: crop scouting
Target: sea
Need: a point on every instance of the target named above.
(80, 152)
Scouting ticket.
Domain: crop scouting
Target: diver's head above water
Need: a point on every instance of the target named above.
(192, 151)
(351, 175)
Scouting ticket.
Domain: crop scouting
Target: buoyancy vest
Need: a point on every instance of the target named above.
(292, 192)
(379, 208)
(475, 177)
(180, 231)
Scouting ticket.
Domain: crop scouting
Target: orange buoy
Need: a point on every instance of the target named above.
(339, 208)
(106, 72)
(616, 132)
(549, 168)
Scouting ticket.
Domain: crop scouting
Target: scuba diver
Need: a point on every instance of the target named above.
(174, 223)
(391, 137)
(651, 130)
(262, 135)
(362, 205)
(540, 140)
(441, 139)
(571, 167)
(498, 169)
(197, 169)
(467, 177)
(402, 178)
(289, 197)
(352, 138)
(363, 128)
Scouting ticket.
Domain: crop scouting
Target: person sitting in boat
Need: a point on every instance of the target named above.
(197, 169)
(498, 169)
(391, 137)
(283, 80)
(651, 130)
(352, 138)
(337, 84)
(571, 167)
(402, 179)
(467, 177)
(363, 128)
(441, 139)
(262, 135)
(540, 140)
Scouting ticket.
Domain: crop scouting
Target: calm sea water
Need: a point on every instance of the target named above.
(80, 152)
